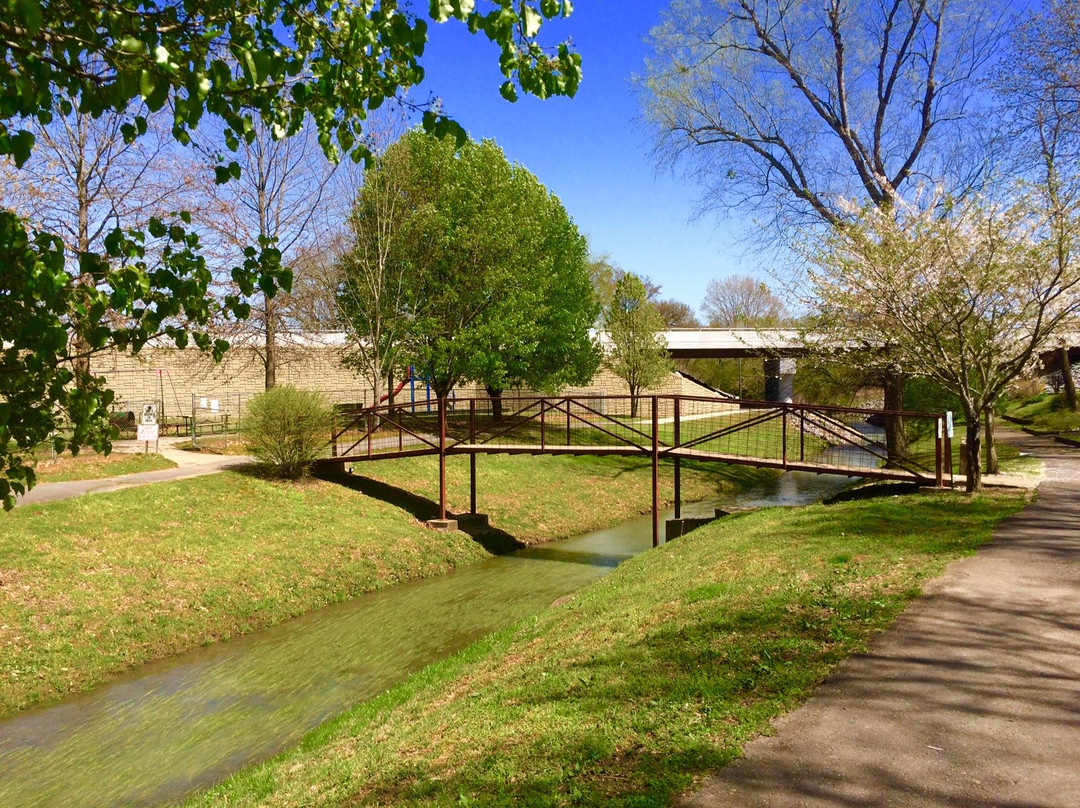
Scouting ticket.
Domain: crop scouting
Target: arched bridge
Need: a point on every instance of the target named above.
(793, 437)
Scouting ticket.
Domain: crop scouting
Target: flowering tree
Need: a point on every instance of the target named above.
(968, 293)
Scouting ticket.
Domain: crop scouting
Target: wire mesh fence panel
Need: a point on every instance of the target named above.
(827, 439)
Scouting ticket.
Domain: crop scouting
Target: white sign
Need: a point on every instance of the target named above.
(202, 403)
(948, 424)
(147, 433)
(214, 406)
(149, 414)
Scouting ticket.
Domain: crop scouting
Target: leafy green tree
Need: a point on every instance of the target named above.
(637, 353)
(483, 271)
(277, 61)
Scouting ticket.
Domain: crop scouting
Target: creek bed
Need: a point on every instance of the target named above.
(171, 727)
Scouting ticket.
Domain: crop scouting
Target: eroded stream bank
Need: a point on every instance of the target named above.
(154, 735)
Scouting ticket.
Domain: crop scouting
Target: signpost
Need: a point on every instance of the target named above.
(148, 427)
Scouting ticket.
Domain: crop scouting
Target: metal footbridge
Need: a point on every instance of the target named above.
(790, 437)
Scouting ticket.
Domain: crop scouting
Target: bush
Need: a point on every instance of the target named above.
(287, 429)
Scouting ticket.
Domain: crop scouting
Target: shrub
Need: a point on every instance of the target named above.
(287, 429)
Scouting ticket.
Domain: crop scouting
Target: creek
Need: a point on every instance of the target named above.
(157, 734)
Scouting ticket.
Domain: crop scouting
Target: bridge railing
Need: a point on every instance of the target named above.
(799, 436)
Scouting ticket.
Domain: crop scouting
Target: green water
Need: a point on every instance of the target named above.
(155, 735)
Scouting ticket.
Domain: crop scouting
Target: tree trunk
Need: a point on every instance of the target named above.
(390, 387)
(974, 469)
(270, 348)
(1067, 379)
(633, 402)
(495, 393)
(991, 448)
(895, 437)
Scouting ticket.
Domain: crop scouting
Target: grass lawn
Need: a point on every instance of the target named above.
(89, 465)
(641, 682)
(1010, 461)
(1047, 412)
(95, 585)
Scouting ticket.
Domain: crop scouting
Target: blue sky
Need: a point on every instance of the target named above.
(590, 150)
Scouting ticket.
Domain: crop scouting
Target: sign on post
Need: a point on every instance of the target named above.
(148, 425)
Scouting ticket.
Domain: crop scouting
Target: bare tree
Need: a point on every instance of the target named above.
(676, 314)
(740, 301)
(83, 181)
(789, 108)
(1039, 84)
(277, 200)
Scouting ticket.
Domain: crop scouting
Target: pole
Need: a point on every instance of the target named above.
(939, 451)
(442, 457)
(566, 401)
(543, 424)
(472, 483)
(783, 439)
(655, 477)
(472, 457)
(194, 436)
(802, 435)
(678, 465)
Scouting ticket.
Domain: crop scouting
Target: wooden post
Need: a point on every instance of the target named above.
(442, 457)
(566, 401)
(939, 451)
(655, 477)
(802, 435)
(678, 463)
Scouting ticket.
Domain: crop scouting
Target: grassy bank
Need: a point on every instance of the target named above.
(1046, 412)
(1010, 461)
(642, 681)
(95, 585)
(88, 465)
(543, 498)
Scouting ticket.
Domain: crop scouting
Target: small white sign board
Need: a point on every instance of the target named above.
(214, 405)
(149, 414)
(202, 403)
(147, 433)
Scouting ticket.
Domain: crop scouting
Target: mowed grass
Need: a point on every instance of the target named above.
(643, 681)
(1010, 460)
(1048, 413)
(95, 585)
(88, 465)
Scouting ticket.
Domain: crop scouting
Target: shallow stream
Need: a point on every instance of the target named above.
(155, 735)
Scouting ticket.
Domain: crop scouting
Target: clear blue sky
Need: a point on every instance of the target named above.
(589, 149)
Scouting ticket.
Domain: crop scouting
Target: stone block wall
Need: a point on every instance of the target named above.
(174, 376)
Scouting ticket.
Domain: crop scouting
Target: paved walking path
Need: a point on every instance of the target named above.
(188, 464)
(972, 698)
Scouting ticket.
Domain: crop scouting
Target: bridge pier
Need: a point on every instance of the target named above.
(779, 380)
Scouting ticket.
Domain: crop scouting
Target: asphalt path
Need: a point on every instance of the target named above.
(188, 464)
(971, 698)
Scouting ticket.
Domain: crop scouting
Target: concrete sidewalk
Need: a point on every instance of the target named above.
(188, 464)
(972, 698)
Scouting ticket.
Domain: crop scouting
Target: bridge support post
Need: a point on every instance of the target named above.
(442, 523)
(678, 463)
(442, 458)
(655, 476)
